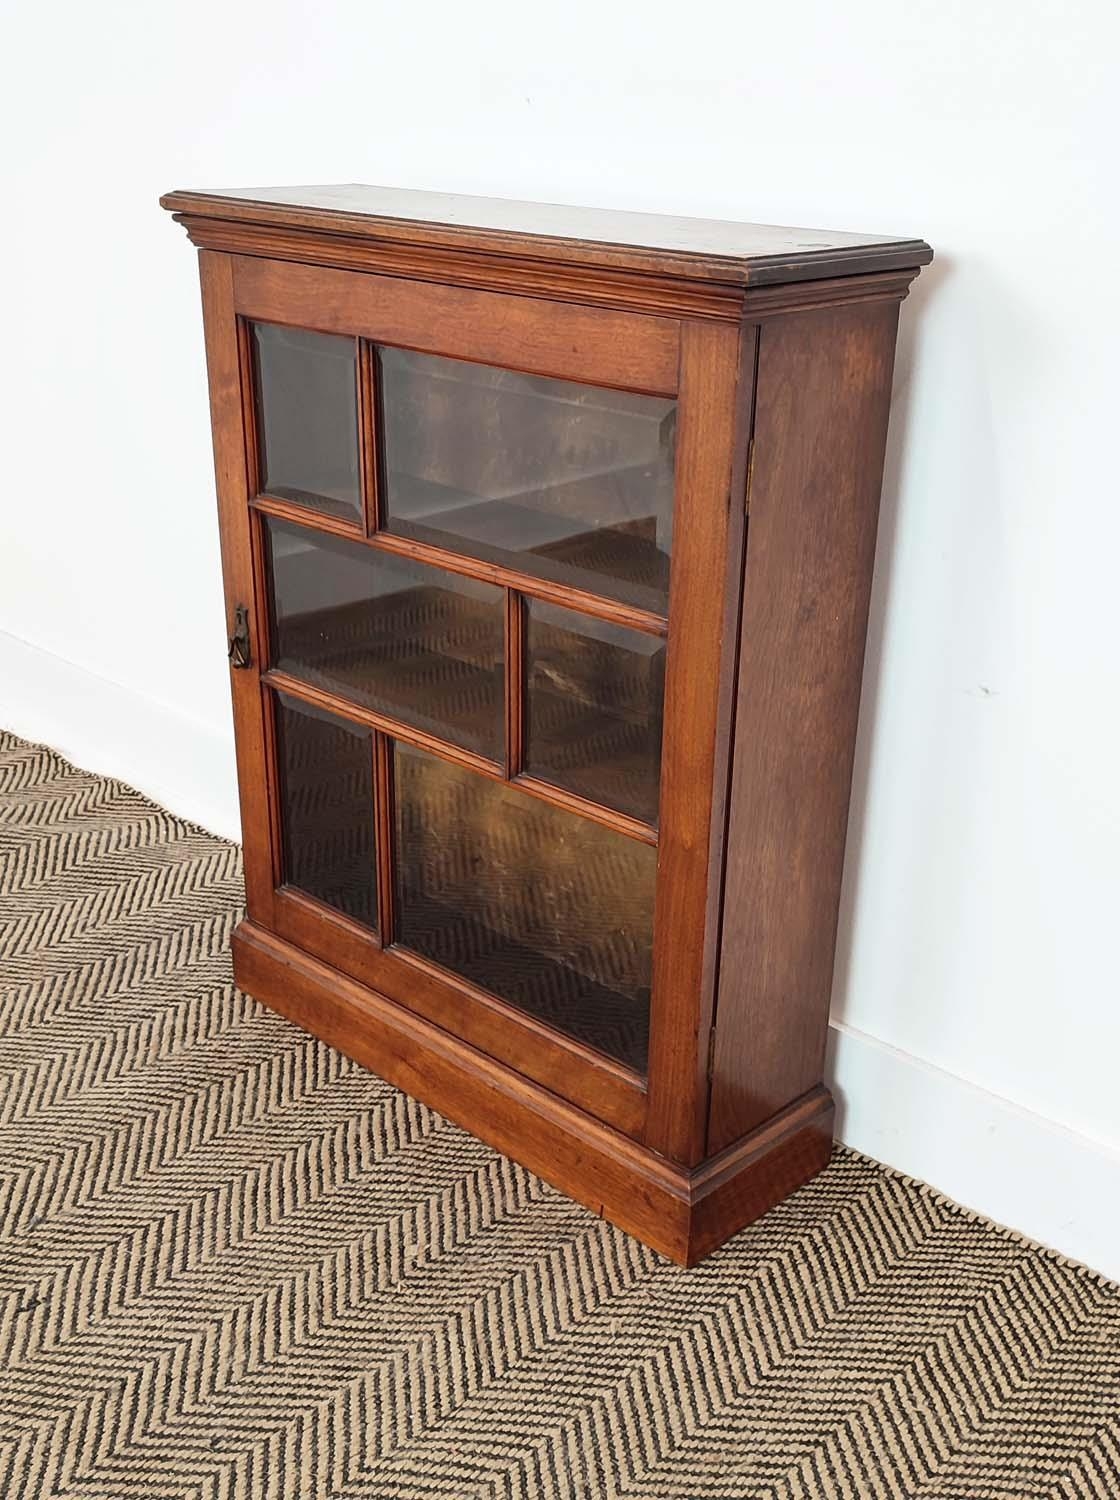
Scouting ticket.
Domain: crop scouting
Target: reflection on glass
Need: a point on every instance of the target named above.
(572, 483)
(543, 908)
(594, 708)
(326, 808)
(307, 418)
(413, 642)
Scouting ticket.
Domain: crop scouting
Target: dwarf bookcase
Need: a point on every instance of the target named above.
(547, 538)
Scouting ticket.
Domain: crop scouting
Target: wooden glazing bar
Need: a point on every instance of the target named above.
(303, 515)
(620, 822)
(367, 435)
(444, 750)
(515, 682)
(295, 687)
(568, 597)
(386, 835)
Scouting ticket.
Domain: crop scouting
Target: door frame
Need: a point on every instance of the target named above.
(709, 367)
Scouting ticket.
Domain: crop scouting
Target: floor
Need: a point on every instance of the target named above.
(233, 1264)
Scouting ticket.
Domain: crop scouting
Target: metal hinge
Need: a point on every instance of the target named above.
(240, 652)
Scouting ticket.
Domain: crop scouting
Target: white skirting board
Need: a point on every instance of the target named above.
(1025, 1171)
(1021, 1169)
(181, 763)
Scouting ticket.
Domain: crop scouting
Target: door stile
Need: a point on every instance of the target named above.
(705, 588)
(224, 374)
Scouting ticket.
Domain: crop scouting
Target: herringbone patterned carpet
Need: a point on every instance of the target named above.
(232, 1264)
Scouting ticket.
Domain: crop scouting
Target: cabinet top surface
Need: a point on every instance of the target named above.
(712, 249)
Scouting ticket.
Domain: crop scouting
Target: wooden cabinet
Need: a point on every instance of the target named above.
(548, 538)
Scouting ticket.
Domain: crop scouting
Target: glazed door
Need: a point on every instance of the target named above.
(459, 513)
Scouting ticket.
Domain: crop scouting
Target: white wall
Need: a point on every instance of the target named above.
(977, 1000)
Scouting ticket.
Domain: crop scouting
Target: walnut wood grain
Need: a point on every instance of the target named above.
(717, 367)
(630, 351)
(778, 346)
(227, 417)
(707, 249)
(824, 384)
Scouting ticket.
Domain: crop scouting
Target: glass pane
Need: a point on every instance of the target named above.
(326, 808)
(416, 643)
(307, 418)
(571, 483)
(594, 708)
(546, 909)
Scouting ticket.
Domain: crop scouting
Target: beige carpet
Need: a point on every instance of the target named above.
(232, 1264)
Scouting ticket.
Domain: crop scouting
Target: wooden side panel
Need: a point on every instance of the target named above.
(717, 369)
(823, 394)
(223, 364)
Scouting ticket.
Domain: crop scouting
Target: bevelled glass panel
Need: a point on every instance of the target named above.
(326, 808)
(594, 708)
(571, 483)
(416, 643)
(307, 418)
(546, 909)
